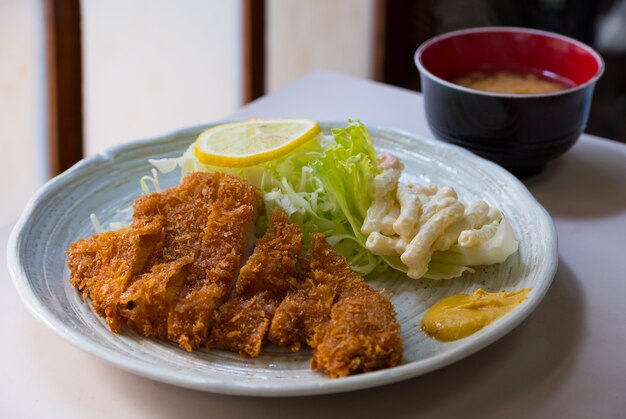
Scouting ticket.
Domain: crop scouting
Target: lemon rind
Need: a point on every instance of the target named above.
(253, 159)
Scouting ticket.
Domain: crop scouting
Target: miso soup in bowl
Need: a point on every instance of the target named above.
(508, 82)
(519, 97)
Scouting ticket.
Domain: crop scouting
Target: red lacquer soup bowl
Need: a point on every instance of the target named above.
(521, 132)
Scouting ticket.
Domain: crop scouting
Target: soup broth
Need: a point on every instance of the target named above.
(507, 82)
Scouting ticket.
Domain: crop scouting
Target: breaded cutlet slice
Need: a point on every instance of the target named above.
(362, 334)
(302, 312)
(102, 266)
(228, 233)
(308, 307)
(351, 327)
(242, 323)
(146, 303)
(184, 209)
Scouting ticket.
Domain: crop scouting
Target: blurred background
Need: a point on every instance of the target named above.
(77, 77)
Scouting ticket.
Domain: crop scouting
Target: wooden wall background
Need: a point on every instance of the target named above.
(400, 27)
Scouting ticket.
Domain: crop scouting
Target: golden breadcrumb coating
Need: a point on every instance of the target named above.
(243, 321)
(165, 274)
(146, 303)
(176, 274)
(228, 232)
(103, 265)
(307, 308)
(362, 334)
(351, 326)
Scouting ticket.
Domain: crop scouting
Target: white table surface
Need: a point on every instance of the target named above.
(567, 360)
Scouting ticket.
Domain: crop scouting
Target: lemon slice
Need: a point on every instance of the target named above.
(251, 142)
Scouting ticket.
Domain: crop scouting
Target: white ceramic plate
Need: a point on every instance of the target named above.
(59, 214)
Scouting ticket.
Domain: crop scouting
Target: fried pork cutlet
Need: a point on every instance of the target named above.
(103, 265)
(362, 334)
(306, 310)
(229, 229)
(145, 304)
(351, 327)
(176, 273)
(165, 274)
(243, 321)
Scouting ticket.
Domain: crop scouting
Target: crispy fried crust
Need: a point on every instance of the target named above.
(362, 334)
(307, 308)
(147, 301)
(303, 311)
(184, 244)
(212, 275)
(103, 265)
(243, 321)
(145, 304)
(176, 274)
(351, 326)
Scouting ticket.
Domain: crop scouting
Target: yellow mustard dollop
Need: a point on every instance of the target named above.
(460, 315)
